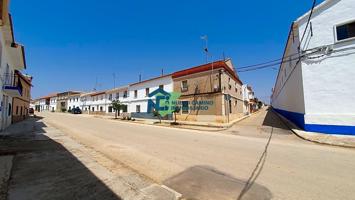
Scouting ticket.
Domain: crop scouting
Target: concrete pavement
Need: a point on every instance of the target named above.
(44, 163)
(263, 159)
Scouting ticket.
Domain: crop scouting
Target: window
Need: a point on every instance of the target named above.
(184, 86)
(16, 110)
(161, 87)
(101, 108)
(345, 31)
(117, 95)
(125, 94)
(146, 92)
(185, 107)
(110, 97)
(135, 94)
(138, 108)
(229, 83)
(102, 97)
(230, 106)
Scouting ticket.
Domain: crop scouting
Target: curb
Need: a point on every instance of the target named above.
(319, 138)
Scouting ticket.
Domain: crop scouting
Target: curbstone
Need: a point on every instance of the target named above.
(321, 138)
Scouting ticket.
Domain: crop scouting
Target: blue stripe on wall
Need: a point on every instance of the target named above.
(298, 119)
(330, 129)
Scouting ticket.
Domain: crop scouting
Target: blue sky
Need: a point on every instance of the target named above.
(71, 43)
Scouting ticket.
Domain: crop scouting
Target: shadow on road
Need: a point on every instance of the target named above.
(207, 183)
(257, 170)
(272, 120)
(44, 169)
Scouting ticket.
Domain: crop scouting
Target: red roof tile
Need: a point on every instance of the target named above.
(207, 67)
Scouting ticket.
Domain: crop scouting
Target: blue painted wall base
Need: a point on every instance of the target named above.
(298, 119)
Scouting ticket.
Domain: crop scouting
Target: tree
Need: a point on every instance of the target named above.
(157, 114)
(116, 106)
(176, 110)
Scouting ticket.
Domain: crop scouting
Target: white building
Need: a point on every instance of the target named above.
(43, 105)
(248, 96)
(315, 86)
(53, 103)
(138, 94)
(74, 101)
(120, 94)
(12, 57)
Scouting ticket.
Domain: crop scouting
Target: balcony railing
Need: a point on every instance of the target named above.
(12, 85)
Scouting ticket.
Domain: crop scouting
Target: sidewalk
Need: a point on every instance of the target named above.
(41, 162)
(336, 140)
(203, 126)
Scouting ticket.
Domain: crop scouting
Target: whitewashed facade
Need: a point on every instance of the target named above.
(315, 84)
(53, 104)
(138, 94)
(12, 58)
(43, 105)
(121, 94)
(74, 101)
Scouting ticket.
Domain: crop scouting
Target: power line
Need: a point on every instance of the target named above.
(277, 61)
(308, 22)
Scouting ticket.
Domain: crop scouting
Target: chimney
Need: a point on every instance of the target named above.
(162, 72)
(140, 78)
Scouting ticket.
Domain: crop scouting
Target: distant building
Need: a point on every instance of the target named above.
(315, 84)
(120, 94)
(210, 92)
(53, 103)
(74, 101)
(250, 105)
(21, 103)
(63, 100)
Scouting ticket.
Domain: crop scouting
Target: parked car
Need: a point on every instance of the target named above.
(76, 110)
(31, 111)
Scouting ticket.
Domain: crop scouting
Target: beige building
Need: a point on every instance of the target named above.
(210, 92)
(21, 104)
(63, 100)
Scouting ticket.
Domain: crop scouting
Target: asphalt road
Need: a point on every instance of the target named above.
(258, 158)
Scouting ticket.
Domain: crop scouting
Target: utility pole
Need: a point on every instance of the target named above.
(205, 38)
(114, 80)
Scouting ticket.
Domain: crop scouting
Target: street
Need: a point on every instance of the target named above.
(258, 157)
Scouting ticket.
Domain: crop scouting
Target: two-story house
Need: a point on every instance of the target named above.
(12, 58)
(210, 92)
(63, 100)
(315, 83)
(53, 103)
(21, 104)
(120, 94)
(139, 95)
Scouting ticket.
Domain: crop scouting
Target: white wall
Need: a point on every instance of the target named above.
(329, 81)
(53, 104)
(73, 102)
(141, 99)
(123, 99)
(288, 90)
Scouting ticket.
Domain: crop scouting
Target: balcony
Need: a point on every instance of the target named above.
(17, 56)
(12, 85)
